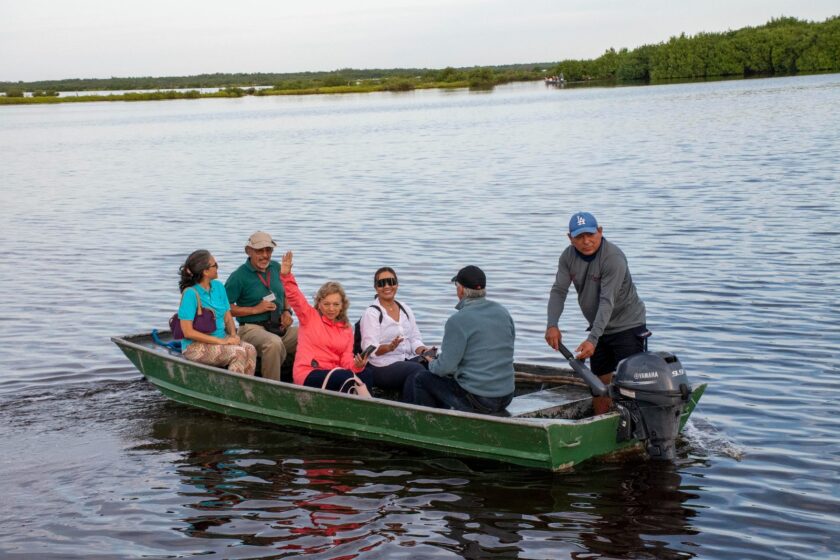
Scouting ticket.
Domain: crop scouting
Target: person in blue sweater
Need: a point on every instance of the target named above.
(474, 370)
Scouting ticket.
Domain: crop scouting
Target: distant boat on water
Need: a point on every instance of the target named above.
(558, 80)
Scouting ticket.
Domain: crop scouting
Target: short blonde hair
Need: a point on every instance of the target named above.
(328, 289)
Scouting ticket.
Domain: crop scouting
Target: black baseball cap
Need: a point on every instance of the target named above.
(471, 277)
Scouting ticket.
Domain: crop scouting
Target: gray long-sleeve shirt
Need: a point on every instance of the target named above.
(606, 294)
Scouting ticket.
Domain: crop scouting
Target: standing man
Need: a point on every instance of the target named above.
(607, 298)
(474, 371)
(258, 302)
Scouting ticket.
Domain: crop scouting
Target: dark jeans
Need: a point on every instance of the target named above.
(612, 348)
(444, 392)
(396, 377)
(337, 379)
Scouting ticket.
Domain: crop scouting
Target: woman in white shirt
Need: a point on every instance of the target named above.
(389, 326)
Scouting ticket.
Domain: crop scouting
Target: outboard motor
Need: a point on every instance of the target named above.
(650, 390)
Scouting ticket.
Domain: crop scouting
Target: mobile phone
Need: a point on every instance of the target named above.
(367, 351)
(430, 353)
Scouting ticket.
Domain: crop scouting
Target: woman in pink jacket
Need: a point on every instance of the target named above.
(325, 338)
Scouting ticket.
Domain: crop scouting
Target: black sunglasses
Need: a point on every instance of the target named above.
(382, 282)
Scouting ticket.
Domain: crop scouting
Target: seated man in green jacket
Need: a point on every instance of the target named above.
(258, 302)
(474, 371)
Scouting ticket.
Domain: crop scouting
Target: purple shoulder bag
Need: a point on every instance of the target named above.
(204, 322)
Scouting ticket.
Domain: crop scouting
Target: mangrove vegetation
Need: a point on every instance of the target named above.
(783, 46)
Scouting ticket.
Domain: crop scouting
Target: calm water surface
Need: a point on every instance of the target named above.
(723, 195)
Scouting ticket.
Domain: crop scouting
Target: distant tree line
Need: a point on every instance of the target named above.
(297, 80)
(782, 46)
(152, 95)
(340, 81)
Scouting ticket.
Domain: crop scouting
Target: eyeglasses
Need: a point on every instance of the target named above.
(214, 265)
(382, 282)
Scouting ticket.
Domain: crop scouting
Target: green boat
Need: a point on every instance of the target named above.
(549, 426)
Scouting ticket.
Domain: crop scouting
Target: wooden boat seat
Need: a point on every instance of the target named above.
(570, 402)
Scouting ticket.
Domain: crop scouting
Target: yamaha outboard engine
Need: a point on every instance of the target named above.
(650, 390)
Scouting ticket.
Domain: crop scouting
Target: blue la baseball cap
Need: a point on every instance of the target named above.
(582, 222)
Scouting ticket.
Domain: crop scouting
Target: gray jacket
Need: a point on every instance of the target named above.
(477, 348)
(606, 294)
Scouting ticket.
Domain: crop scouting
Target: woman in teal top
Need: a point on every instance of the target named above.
(222, 347)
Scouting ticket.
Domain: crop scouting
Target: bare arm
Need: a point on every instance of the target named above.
(230, 324)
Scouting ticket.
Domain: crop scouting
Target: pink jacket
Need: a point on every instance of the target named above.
(326, 342)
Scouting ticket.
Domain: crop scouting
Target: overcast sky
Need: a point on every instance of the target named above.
(54, 39)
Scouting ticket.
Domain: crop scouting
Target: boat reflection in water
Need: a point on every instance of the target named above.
(641, 510)
(262, 491)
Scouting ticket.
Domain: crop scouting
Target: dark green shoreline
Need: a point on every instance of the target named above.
(783, 46)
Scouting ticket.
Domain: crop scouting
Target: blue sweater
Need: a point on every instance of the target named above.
(477, 348)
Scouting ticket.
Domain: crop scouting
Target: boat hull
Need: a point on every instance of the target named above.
(547, 443)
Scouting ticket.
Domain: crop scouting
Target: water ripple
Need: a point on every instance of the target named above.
(723, 195)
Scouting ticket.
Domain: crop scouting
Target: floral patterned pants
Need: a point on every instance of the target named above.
(238, 358)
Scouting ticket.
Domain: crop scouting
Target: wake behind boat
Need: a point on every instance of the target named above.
(549, 425)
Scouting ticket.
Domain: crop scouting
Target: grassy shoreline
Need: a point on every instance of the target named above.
(781, 47)
(361, 88)
(234, 93)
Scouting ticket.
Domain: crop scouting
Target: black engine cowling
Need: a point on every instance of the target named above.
(650, 390)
